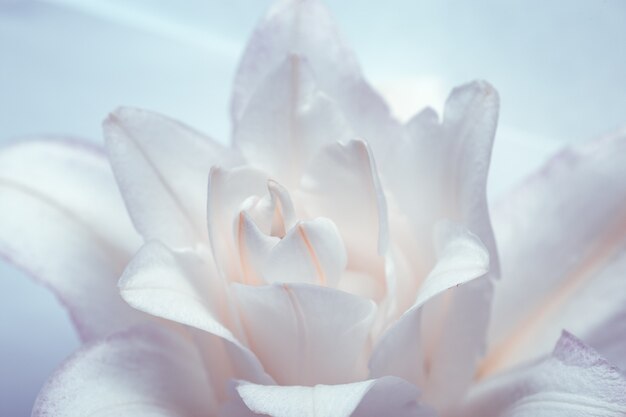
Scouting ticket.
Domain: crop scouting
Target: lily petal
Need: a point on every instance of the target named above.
(286, 121)
(306, 29)
(183, 287)
(306, 334)
(161, 167)
(228, 190)
(377, 397)
(342, 184)
(311, 252)
(442, 169)
(437, 342)
(145, 371)
(562, 236)
(254, 249)
(574, 381)
(65, 224)
(284, 210)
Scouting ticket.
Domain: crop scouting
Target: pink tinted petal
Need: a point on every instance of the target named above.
(185, 288)
(254, 248)
(305, 28)
(162, 167)
(342, 184)
(65, 224)
(228, 190)
(460, 344)
(306, 334)
(437, 342)
(285, 213)
(145, 371)
(287, 120)
(562, 237)
(311, 252)
(574, 381)
(380, 397)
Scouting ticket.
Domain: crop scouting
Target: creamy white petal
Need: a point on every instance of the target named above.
(142, 372)
(228, 190)
(287, 120)
(469, 125)
(574, 381)
(306, 334)
(399, 352)
(562, 236)
(254, 248)
(373, 398)
(65, 224)
(185, 288)
(305, 28)
(162, 167)
(441, 171)
(311, 252)
(461, 258)
(437, 342)
(342, 184)
(284, 210)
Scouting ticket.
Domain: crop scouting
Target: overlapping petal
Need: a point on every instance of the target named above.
(437, 348)
(562, 237)
(372, 398)
(307, 334)
(306, 29)
(442, 167)
(342, 184)
(311, 252)
(574, 381)
(162, 167)
(144, 371)
(64, 223)
(287, 120)
(185, 288)
(228, 190)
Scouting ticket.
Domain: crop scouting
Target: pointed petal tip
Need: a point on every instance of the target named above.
(571, 350)
(117, 115)
(216, 171)
(479, 87)
(124, 114)
(483, 85)
(113, 123)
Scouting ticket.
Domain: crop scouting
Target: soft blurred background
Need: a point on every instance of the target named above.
(560, 68)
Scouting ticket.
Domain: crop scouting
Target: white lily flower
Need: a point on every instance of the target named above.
(331, 262)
